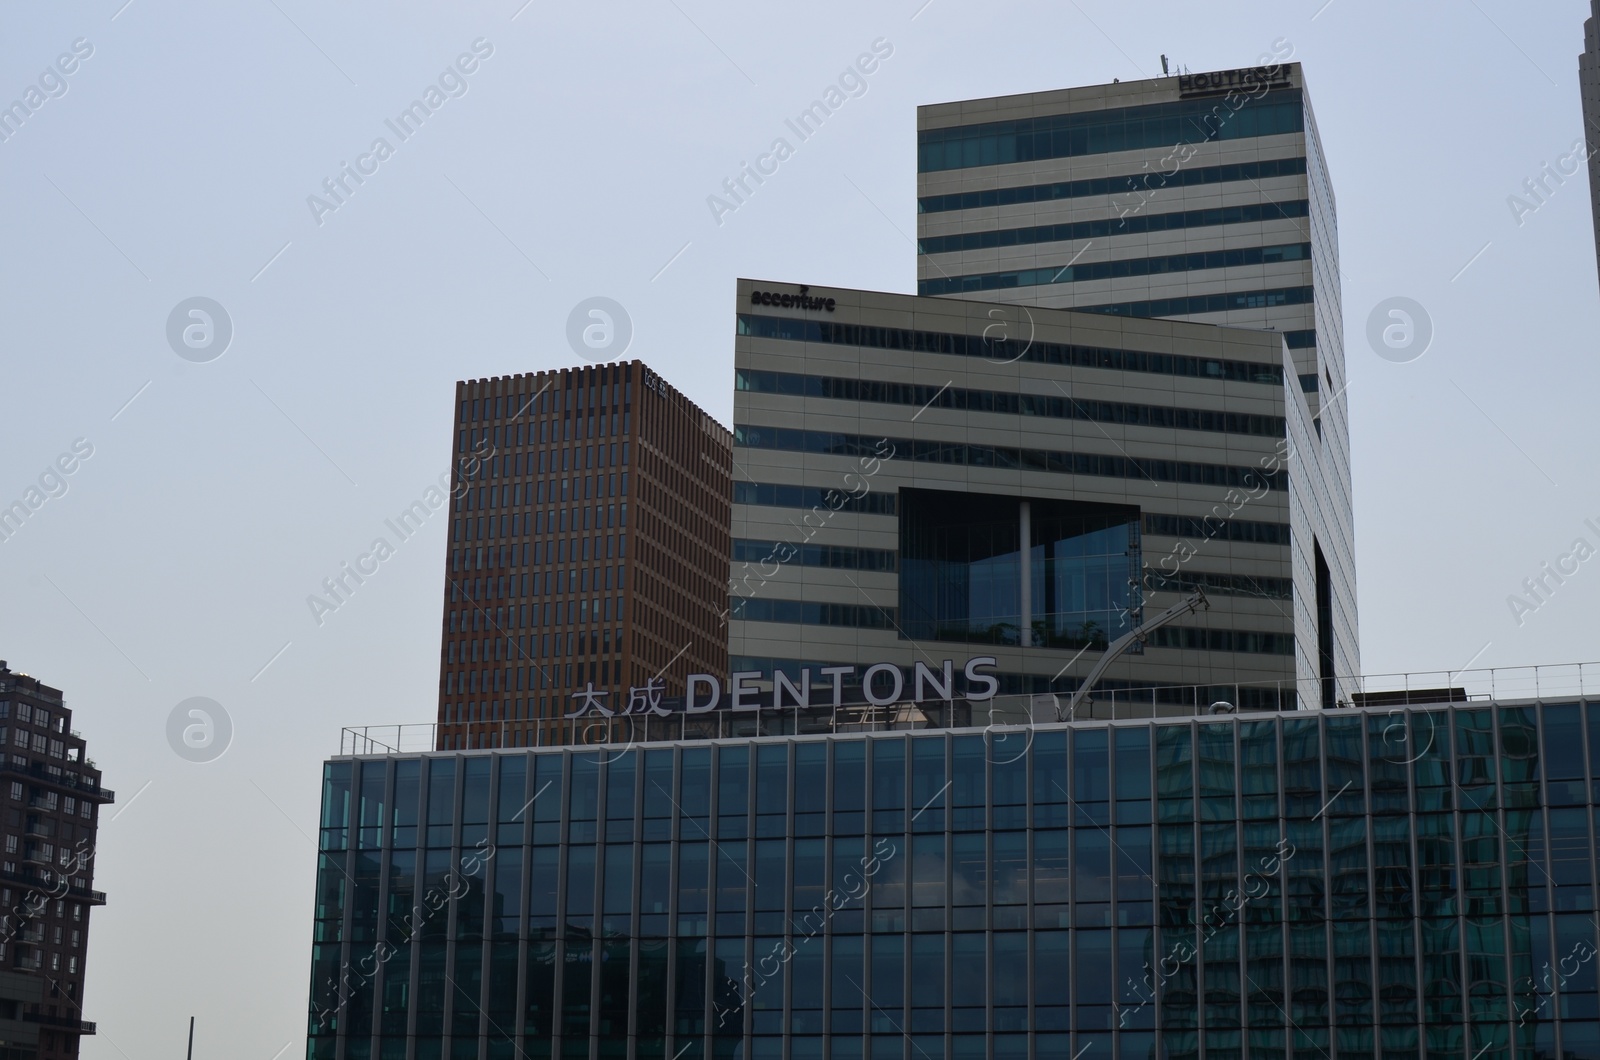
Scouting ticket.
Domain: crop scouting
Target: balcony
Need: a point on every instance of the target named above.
(53, 886)
(65, 1023)
(39, 773)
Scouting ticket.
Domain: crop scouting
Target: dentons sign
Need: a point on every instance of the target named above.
(882, 684)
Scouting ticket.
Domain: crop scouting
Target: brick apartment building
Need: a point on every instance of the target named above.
(588, 551)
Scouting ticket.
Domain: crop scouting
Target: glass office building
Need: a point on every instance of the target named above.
(1399, 883)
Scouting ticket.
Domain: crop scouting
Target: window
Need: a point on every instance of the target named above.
(1118, 268)
(987, 347)
(961, 569)
(1098, 132)
(1099, 229)
(1007, 403)
(1077, 189)
(16, 790)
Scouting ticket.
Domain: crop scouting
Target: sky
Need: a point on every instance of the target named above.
(217, 479)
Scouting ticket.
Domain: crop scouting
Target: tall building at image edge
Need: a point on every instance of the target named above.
(1412, 882)
(52, 799)
(588, 549)
(1201, 197)
(1589, 81)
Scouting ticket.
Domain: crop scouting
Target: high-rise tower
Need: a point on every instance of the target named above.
(588, 550)
(1201, 197)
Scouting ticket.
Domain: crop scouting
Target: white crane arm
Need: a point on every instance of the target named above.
(1187, 606)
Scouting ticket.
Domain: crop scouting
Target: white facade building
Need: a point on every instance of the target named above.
(917, 478)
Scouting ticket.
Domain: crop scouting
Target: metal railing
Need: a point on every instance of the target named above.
(1546, 682)
(387, 739)
(67, 1023)
(33, 878)
(1119, 701)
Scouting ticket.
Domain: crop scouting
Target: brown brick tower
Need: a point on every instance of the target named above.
(589, 548)
(52, 796)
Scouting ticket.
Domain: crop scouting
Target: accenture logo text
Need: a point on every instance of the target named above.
(792, 301)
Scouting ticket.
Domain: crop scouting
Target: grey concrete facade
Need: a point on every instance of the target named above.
(1212, 502)
(1203, 198)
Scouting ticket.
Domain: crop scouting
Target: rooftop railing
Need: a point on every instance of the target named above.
(1571, 681)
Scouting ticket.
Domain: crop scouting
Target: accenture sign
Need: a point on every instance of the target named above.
(792, 301)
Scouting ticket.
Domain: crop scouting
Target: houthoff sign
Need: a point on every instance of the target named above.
(1250, 78)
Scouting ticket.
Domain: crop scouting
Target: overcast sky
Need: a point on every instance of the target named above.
(574, 160)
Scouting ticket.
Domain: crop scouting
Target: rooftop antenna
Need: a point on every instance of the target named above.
(191, 1038)
(1165, 72)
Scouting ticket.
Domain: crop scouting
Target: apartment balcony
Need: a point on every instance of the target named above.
(65, 1023)
(39, 773)
(53, 886)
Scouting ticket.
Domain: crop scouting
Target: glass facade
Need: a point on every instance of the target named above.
(1121, 268)
(1135, 225)
(1353, 884)
(962, 569)
(923, 395)
(839, 443)
(999, 348)
(1099, 132)
(1190, 177)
